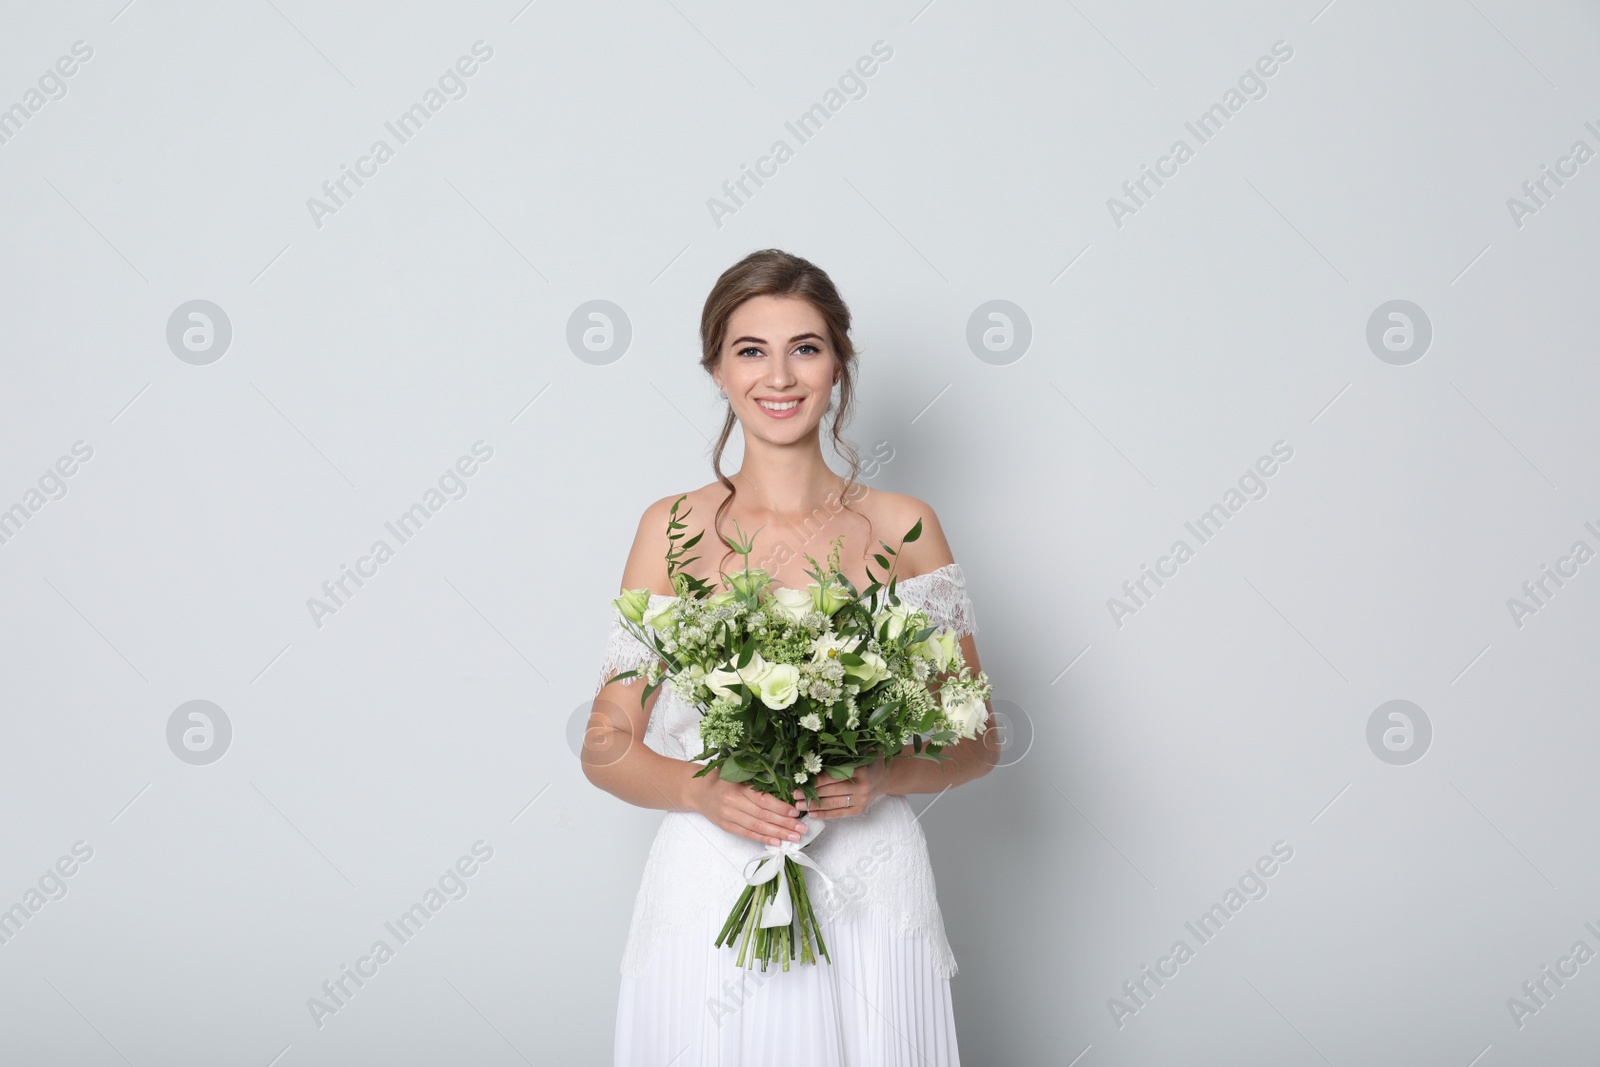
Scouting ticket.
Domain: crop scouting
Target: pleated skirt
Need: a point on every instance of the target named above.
(880, 1003)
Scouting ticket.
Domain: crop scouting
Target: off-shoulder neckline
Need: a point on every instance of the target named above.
(898, 585)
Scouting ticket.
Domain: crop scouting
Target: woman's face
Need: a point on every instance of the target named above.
(777, 366)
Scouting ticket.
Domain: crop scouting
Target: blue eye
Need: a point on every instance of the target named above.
(752, 348)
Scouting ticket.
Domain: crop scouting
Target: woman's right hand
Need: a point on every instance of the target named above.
(739, 809)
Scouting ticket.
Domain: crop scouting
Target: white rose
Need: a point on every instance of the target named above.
(897, 615)
(869, 672)
(721, 681)
(941, 647)
(663, 617)
(828, 599)
(789, 603)
(967, 714)
(779, 685)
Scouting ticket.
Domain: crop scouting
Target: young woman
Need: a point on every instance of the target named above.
(775, 339)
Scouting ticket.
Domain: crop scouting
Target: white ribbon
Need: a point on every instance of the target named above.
(769, 864)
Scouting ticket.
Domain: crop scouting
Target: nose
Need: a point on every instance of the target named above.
(781, 374)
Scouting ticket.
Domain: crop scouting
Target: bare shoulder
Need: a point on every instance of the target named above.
(899, 512)
(647, 559)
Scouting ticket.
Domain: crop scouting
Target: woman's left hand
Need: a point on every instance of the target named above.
(840, 798)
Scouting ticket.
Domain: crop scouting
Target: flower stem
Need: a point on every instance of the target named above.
(735, 917)
(744, 940)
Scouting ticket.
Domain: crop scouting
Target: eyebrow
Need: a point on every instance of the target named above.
(792, 340)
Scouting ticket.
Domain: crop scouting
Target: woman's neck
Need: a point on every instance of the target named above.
(784, 481)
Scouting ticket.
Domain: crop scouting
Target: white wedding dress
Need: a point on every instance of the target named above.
(884, 1001)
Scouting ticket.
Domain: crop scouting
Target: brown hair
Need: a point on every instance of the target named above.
(773, 272)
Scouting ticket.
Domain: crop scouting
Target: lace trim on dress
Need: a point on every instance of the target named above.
(625, 652)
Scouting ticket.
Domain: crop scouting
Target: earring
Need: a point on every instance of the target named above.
(724, 394)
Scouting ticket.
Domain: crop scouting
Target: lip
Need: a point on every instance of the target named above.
(789, 414)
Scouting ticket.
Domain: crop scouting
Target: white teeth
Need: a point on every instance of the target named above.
(785, 406)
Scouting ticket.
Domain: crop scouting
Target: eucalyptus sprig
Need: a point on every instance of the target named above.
(684, 585)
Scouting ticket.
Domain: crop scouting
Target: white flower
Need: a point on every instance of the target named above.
(822, 692)
(870, 671)
(801, 777)
(898, 615)
(813, 762)
(779, 685)
(720, 680)
(813, 721)
(942, 647)
(686, 681)
(966, 713)
(662, 618)
(826, 647)
(789, 603)
(829, 598)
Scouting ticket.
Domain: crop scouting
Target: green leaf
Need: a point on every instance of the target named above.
(882, 712)
(840, 774)
(882, 562)
(914, 533)
(734, 771)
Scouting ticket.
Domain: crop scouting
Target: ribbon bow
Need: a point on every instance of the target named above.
(769, 864)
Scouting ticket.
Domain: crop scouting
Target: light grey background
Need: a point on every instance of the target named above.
(1168, 353)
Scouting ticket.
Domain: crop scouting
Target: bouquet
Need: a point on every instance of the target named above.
(795, 684)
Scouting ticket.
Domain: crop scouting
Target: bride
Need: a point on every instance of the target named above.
(775, 339)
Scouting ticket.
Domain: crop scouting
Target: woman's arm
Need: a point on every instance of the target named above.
(615, 757)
